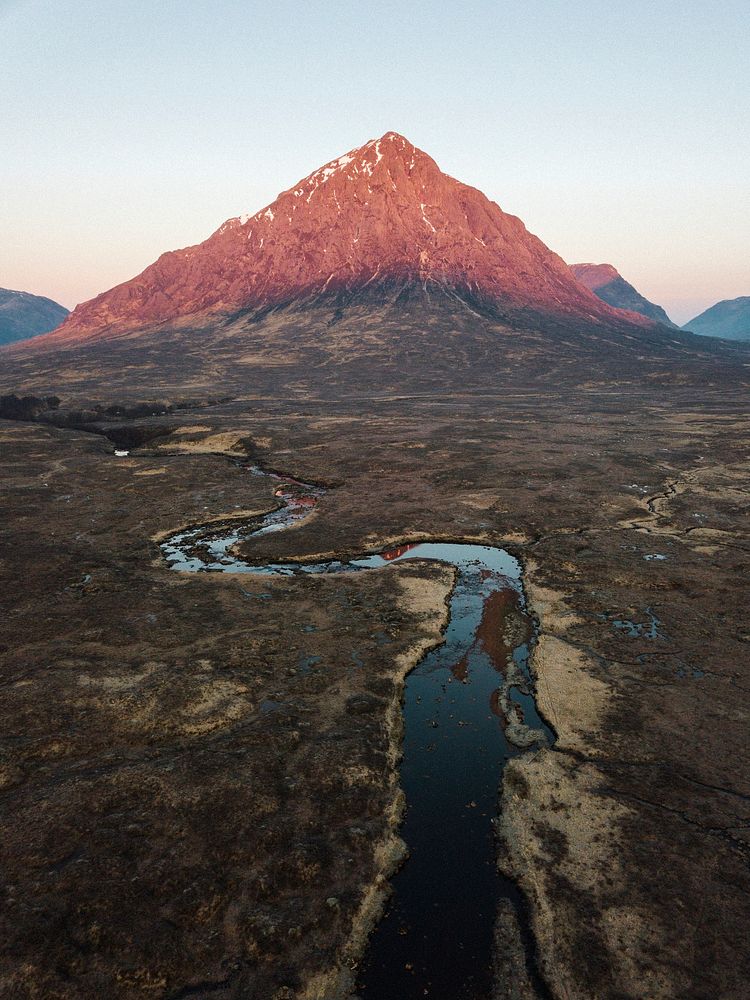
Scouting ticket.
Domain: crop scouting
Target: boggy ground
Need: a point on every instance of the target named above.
(194, 806)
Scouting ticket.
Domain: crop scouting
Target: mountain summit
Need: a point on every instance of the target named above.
(729, 319)
(23, 315)
(380, 215)
(609, 285)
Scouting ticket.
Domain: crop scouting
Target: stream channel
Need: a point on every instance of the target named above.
(468, 709)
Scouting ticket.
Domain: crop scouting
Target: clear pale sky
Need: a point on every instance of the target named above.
(617, 132)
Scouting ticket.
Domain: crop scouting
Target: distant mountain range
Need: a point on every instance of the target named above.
(605, 281)
(729, 319)
(23, 315)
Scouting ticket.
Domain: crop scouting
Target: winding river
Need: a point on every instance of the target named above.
(468, 708)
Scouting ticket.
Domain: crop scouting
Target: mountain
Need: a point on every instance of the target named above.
(23, 315)
(729, 319)
(606, 282)
(376, 273)
(380, 217)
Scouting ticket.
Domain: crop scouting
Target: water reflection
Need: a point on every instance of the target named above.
(436, 939)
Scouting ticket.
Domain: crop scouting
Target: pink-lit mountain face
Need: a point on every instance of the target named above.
(595, 276)
(381, 214)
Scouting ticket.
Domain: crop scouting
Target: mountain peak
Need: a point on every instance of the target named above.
(594, 276)
(381, 156)
(728, 319)
(23, 315)
(606, 282)
(381, 215)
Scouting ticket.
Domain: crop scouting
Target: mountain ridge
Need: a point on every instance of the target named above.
(606, 282)
(728, 319)
(24, 315)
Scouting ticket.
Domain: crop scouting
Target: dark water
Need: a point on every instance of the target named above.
(436, 939)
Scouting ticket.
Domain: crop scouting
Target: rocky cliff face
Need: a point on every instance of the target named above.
(609, 285)
(381, 215)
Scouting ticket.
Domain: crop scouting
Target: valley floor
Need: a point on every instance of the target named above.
(180, 801)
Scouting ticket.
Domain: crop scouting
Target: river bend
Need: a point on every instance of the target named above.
(468, 709)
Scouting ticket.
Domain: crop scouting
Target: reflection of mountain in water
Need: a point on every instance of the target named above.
(399, 551)
(437, 937)
(489, 637)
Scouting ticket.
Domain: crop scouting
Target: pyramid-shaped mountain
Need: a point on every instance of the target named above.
(381, 216)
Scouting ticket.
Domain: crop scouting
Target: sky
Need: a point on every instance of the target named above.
(619, 133)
